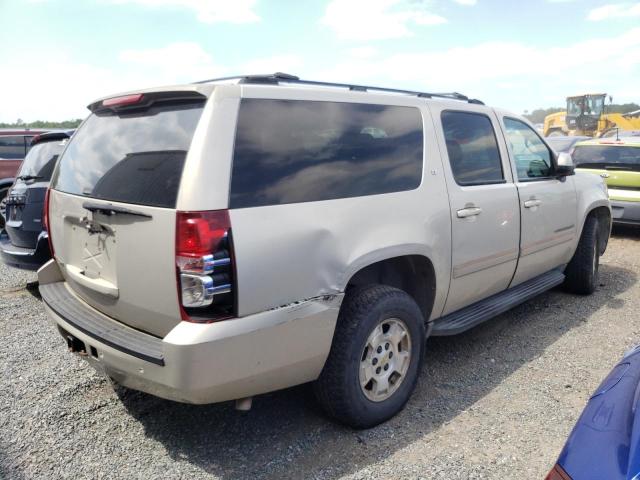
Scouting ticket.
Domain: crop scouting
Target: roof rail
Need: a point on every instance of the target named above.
(279, 77)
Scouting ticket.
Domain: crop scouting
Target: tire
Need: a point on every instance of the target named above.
(3, 207)
(582, 271)
(368, 333)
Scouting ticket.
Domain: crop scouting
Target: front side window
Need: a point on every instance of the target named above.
(290, 151)
(532, 157)
(12, 147)
(472, 148)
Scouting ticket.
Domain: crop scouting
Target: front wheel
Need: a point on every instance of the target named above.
(375, 357)
(582, 271)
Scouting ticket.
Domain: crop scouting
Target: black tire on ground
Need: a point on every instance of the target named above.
(3, 194)
(338, 389)
(582, 271)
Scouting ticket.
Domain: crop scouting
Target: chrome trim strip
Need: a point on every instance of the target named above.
(564, 229)
(483, 263)
(545, 243)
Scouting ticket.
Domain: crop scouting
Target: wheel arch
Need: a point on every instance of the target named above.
(603, 214)
(413, 273)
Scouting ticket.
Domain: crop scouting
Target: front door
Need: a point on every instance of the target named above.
(483, 203)
(548, 204)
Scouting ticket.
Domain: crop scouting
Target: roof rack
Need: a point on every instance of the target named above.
(279, 77)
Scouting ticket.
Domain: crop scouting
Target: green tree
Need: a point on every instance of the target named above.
(43, 124)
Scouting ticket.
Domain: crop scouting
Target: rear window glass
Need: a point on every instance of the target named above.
(130, 157)
(607, 156)
(290, 151)
(41, 159)
(12, 147)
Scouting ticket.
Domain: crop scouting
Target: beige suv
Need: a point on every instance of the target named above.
(224, 239)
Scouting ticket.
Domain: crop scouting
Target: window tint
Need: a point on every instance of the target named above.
(41, 159)
(601, 156)
(290, 151)
(131, 157)
(12, 147)
(472, 148)
(532, 157)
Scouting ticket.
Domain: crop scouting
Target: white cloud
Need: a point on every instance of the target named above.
(189, 59)
(277, 63)
(614, 10)
(207, 11)
(516, 75)
(466, 2)
(477, 70)
(362, 52)
(376, 19)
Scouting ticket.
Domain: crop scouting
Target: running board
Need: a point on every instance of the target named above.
(469, 317)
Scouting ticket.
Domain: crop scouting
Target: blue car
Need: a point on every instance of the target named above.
(605, 443)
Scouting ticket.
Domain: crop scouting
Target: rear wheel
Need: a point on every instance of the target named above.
(375, 357)
(582, 271)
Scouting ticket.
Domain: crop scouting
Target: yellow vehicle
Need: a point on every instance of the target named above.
(586, 115)
(618, 162)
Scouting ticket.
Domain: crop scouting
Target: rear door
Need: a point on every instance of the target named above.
(548, 204)
(112, 209)
(483, 206)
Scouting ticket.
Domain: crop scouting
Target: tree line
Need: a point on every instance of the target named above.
(42, 124)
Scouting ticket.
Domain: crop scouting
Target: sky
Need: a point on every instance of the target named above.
(57, 56)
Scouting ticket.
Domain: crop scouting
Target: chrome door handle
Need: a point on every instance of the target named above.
(532, 203)
(469, 212)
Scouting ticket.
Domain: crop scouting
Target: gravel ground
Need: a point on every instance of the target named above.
(496, 402)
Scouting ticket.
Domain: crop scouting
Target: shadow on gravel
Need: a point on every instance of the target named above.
(626, 231)
(32, 288)
(286, 436)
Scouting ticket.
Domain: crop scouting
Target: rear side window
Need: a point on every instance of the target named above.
(130, 157)
(12, 147)
(290, 151)
(472, 148)
(41, 159)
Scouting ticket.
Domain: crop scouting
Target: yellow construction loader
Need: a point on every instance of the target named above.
(586, 115)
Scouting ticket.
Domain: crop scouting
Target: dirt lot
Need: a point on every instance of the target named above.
(496, 402)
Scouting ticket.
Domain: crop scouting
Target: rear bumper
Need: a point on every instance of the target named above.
(625, 212)
(205, 363)
(26, 258)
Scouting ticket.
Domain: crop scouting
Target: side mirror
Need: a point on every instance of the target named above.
(564, 165)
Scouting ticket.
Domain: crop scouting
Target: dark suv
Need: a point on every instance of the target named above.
(24, 242)
(14, 145)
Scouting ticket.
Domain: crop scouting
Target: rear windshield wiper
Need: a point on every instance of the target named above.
(112, 210)
(28, 177)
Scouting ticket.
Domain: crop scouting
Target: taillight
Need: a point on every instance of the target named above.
(46, 221)
(557, 473)
(204, 265)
